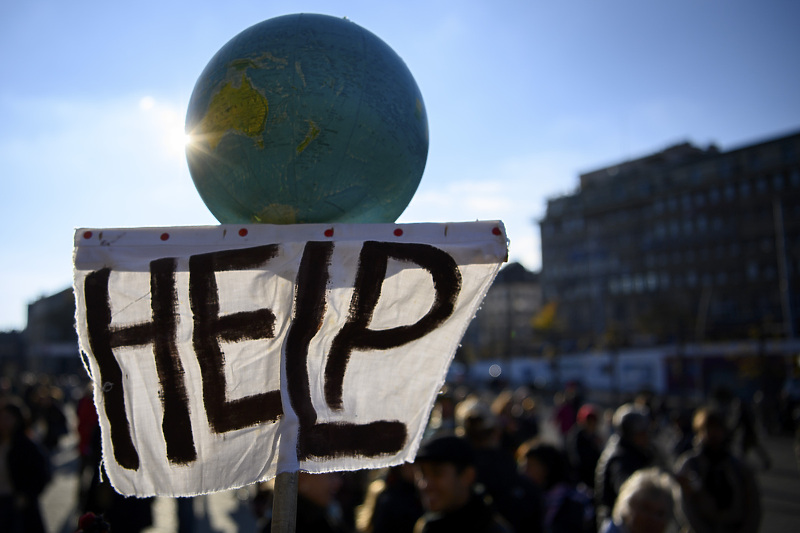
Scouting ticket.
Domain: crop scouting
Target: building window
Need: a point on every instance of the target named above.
(627, 284)
(730, 192)
(744, 189)
(652, 281)
(777, 181)
(699, 199)
(794, 178)
(752, 271)
(672, 203)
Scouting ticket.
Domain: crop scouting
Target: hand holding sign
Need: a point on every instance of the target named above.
(224, 355)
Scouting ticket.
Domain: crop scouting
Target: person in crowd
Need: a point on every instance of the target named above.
(51, 415)
(526, 415)
(646, 504)
(567, 509)
(92, 523)
(681, 421)
(446, 478)
(719, 490)
(502, 408)
(629, 449)
(564, 411)
(392, 503)
(317, 511)
(516, 498)
(129, 515)
(584, 444)
(24, 471)
(87, 422)
(443, 417)
(741, 423)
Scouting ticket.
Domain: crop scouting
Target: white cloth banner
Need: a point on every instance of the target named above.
(222, 356)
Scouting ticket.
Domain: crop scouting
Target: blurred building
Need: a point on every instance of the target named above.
(687, 244)
(502, 327)
(12, 353)
(50, 338)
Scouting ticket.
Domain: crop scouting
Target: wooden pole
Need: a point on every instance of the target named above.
(284, 503)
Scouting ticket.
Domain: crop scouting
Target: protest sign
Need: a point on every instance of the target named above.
(224, 355)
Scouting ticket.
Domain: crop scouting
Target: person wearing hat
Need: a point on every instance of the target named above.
(445, 474)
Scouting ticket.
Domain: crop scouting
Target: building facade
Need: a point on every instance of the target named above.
(50, 338)
(502, 327)
(688, 244)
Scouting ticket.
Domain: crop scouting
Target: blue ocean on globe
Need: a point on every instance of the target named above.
(306, 119)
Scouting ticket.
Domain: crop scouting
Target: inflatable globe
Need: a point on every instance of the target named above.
(306, 119)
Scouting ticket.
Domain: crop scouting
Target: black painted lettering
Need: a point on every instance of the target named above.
(210, 328)
(98, 321)
(161, 332)
(337, 439)
(355, 334)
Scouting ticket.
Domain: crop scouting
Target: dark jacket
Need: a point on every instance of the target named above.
(583, 451)
(29, 470)
(620, 459)
(725, 496)
(311, 518)
(474, 517)
(518, 499)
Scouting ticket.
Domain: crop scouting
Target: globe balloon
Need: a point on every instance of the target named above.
(306, 119)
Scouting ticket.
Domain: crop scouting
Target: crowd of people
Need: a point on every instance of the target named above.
(491, 460)
(503, 462)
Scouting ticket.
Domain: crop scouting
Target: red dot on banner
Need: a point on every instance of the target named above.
(87, 234)
(329, 232)
(398, 232)
(243, 232)
(164, 236)
(496, 231)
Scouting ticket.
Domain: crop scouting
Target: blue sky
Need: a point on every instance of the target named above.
(521, 97)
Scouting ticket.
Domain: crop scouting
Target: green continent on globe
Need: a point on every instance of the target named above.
(241, 109)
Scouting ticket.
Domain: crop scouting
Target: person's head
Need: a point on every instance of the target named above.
(319, 489)
(13, 418)
(632, 425)
(92, 523)
(646, 502)
(477, 422)
(545, 464)
(710, 428)
(445, 473)
(588, 417)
